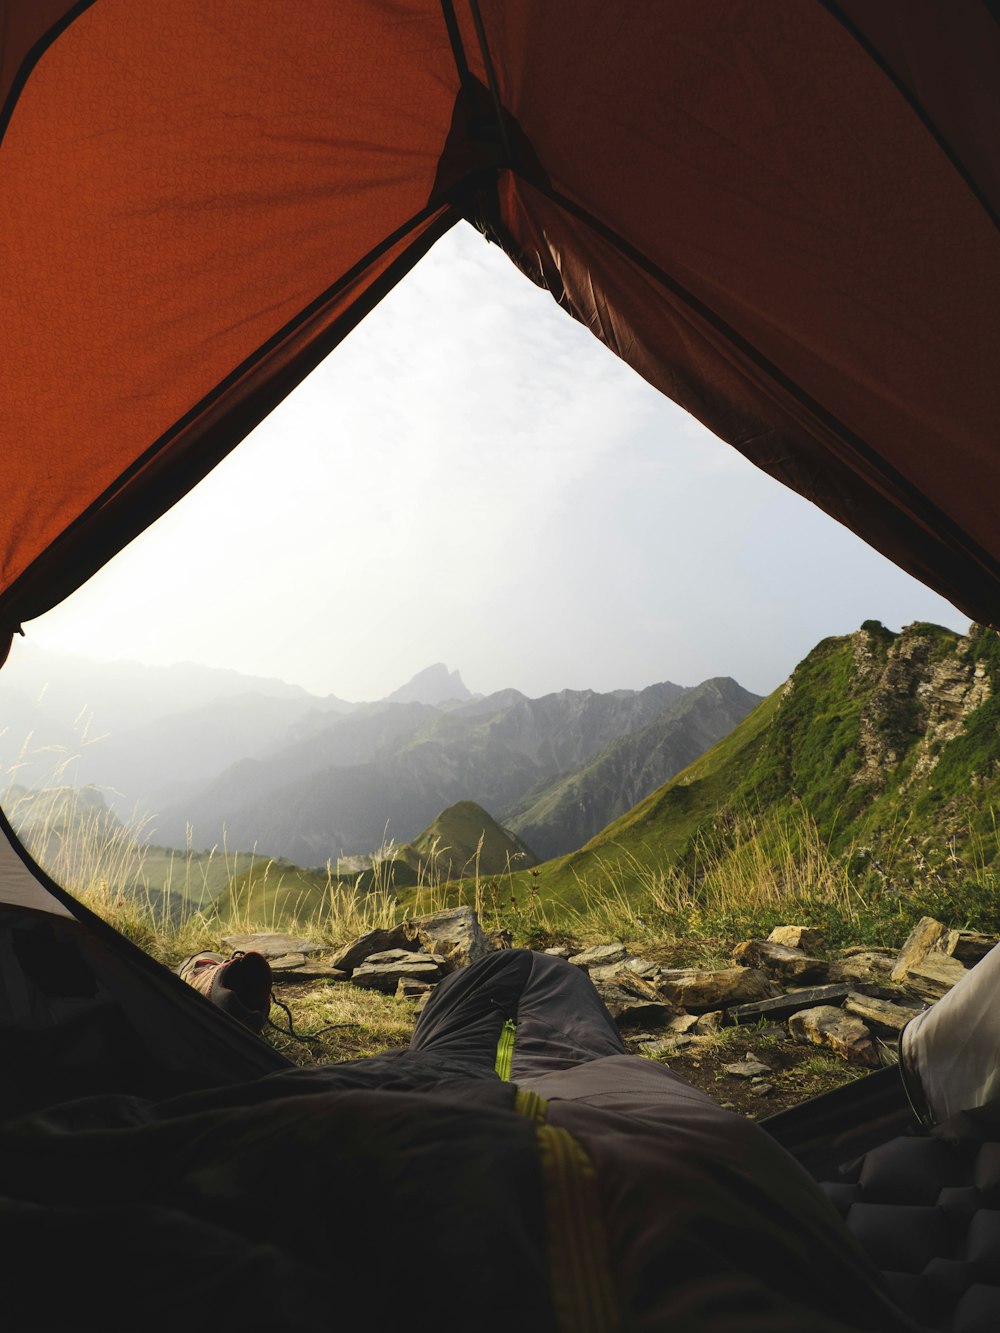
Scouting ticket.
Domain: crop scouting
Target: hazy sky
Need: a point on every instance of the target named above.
(472, 478)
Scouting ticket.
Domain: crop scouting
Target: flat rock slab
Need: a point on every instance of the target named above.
(784, 1005)
(387, 976)
(835, 1031)
(404, 956)
(689, 989)
(643, 967)
(665, 1046)
(748, 1068)
(934, 975)
(639, 967)
(780, 961)
(283, 969)
(273, 945)
(601, 955)
(288, 962)
(373, 941)
(860, 966)
(881, 1015)
(408, 989)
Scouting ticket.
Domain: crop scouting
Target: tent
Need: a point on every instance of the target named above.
(784, 216)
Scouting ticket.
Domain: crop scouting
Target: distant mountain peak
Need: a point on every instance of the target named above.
(434, 685)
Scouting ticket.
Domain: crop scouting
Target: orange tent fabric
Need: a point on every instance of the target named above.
(782, 215)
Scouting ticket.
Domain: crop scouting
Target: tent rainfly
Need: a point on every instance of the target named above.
(784, 216)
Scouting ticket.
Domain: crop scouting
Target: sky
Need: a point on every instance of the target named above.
(472, 478)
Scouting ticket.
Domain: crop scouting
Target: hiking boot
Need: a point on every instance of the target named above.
(240, 985)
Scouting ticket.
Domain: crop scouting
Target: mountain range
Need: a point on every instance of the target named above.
(262, 765)
(386, 770)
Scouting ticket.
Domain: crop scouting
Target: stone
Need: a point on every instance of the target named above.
(633, 1002)
(708, 1024)
(409, 989)
(971, 946)
(421, 1003)
(559, 951)
(683, 1023)
(628, 1012)
(454, 933)
(881, 1015)
(274, 945)
(287, 962)
(927, 936)
(640, 967)
(797, 937)
(860, 966)
(624, 980)
(835, 1031)
(761, 1089)
(689, 989)
(780, 961)
(784, 1005)
(306, 971)
(606, 971)
(643, 967)
(601, 955)
(387, 976)
(373, 941)
(853, 949)
(934, 975)
(665, 1046)
(748, 1068)
(405, 956)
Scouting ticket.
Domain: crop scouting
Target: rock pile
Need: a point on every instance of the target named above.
(404, 960)
(855, 1005)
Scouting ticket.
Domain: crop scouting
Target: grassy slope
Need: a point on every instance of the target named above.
(447, 848)
(453, 840)
(660, 828)
(800, 750)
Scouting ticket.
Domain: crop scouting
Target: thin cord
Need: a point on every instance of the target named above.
(301, 1036)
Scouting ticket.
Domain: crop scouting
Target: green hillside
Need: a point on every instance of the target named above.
(459, 839)
(885, 747)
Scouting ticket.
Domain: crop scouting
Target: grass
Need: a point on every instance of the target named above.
(338, 1023)
(748, 837)
(753, 871)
